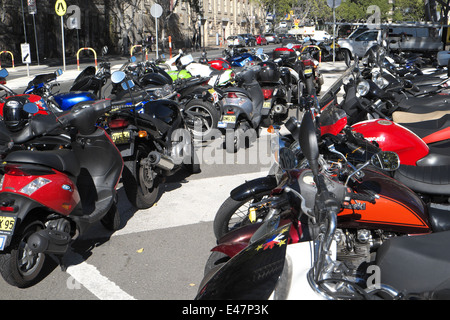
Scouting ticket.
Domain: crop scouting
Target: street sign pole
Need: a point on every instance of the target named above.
(60, 9)
(156, 11)
(334, 4)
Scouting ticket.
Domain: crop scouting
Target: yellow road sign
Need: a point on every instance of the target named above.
(60, 7)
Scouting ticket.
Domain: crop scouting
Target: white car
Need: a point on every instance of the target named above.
(235, 41)
(320, 35)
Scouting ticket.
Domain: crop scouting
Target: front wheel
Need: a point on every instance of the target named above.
(234, 214)
(20, 267)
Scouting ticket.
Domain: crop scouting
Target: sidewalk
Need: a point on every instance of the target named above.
(18, 77)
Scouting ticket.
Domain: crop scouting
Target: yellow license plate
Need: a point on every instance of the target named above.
(308, 71)
(7, 223)
(121, 137)
(230, 119)
(267, 105)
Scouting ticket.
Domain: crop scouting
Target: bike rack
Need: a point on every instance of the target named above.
(12, 58)
(78, 57)
(139, 46)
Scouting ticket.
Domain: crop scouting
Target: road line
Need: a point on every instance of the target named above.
(87, 275)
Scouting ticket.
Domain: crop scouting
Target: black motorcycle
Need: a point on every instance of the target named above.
(153, 139)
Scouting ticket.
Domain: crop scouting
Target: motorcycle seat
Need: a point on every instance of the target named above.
(404, 118)
(62, 160)
(434, 180)
(431, 130)
(415, 264)
(425, 104)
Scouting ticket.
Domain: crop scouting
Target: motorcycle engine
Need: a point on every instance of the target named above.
(357, 247)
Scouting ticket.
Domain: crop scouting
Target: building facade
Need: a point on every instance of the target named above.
(219, 19)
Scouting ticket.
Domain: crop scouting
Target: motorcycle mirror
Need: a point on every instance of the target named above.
(30, 108)
(386, 160)
(4, 73)
(308, 141)
(117, 76)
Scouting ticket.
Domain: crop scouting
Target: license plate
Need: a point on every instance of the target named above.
(121, 137)
(229, 119)
(7, 223)
(267, 104)
(308, 71)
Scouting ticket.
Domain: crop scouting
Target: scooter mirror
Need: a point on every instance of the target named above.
(30, 108)
(4, 73)
(117, 76)
(386, 160)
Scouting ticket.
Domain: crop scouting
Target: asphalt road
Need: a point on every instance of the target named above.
(159, 253)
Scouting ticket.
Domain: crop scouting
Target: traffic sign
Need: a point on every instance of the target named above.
(156, 10)
(60, 7)
(333, 3)
(26, 53)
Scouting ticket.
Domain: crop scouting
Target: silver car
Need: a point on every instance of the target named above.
(235, 41)
(271, 38)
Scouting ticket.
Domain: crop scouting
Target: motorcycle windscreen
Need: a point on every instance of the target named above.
(253, 273)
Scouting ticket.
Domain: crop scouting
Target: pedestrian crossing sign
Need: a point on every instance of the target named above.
(60, 7)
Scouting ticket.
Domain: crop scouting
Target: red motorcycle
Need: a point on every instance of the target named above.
(50, 198)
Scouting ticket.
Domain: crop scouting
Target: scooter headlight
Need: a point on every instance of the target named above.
(362, 88)
(34, 185)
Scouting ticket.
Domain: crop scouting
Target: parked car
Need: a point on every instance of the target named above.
(261, 40)
(271, 38)
(320, 35)
(250, 40)
(235, 41)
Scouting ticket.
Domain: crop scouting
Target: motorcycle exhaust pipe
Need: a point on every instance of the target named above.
(161, 161)
(49, 241)
(279, 108)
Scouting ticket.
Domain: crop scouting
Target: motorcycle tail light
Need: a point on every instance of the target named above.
(118, 123)
(231, 95)
(13, 170)
(2, 82)
(308, 63)
(267, 93)
(34, 185)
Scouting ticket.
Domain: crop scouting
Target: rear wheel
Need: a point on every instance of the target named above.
(202, 119)
(21, 267)
(140, 181)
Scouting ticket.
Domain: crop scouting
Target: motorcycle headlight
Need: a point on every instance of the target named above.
(362, 88)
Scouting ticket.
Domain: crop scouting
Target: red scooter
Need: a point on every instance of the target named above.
(50, 198)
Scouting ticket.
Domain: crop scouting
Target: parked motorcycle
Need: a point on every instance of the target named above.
(153, 140)
(49, 198)
(310, 256)
(242, 110)
(239, 58)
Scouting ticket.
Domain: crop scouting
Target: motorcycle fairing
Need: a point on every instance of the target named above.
(252, 274)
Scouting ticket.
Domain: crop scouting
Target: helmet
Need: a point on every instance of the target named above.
(14, 116)
(269, 73)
